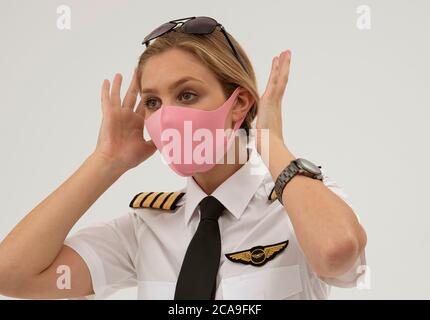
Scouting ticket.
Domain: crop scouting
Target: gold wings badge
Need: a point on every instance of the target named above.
(258, 255)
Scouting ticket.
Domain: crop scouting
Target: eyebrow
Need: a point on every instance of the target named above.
(175, 84)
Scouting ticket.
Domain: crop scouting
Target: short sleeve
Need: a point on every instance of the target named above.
(108, 250)
(350, 278)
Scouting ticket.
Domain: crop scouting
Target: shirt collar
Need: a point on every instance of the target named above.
(235, 192)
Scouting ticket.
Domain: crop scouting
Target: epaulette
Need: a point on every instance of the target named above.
(156, 200)
(272, 195)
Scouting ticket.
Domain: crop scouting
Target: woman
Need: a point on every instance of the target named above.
(270, 227)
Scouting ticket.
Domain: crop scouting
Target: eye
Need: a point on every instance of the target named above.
(151, 103)
(187, 95)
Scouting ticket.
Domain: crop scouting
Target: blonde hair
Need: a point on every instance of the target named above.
(213, 51)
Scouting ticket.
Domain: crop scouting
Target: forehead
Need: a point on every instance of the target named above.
(167, 67)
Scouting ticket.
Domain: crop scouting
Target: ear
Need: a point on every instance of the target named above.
(244, 102)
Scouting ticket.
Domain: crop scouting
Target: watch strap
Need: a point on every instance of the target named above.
(286, 175)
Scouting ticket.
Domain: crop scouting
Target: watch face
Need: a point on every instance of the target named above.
(308, 166)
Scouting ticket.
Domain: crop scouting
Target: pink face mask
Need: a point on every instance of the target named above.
(192, 140)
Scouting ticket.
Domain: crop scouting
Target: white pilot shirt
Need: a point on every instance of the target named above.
(145, 247)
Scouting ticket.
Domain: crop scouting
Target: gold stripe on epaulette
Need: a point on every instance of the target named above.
(156, 200)
(138, 198)
(150, 199)
(173, 199)
(159, 201)
(272, 195)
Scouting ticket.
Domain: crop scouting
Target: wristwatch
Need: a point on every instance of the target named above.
(298, 166)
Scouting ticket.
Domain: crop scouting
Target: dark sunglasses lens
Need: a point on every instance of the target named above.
(200, 25)
(159, 31)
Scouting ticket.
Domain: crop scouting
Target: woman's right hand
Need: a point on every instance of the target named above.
(120, 139)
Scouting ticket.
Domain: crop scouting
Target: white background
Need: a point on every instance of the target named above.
(357, 103)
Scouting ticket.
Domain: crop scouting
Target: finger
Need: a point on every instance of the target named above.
(150, 145)
(131, 95)
(284, 71)
(273, 78)
(141, 108)
(105, 94)
(116, 88)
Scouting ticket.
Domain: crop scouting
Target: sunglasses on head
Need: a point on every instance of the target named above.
(192, 25)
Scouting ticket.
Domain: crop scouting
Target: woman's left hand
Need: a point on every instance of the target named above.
(269, 114)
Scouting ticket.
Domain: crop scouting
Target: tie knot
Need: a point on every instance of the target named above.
(210, 208)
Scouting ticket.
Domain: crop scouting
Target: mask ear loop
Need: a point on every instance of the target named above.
(238, 122)
(231, 133)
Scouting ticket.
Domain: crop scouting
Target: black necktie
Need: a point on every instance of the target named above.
(197, 278)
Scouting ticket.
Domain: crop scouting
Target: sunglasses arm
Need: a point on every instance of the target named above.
(177, 20)
(232, 47)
